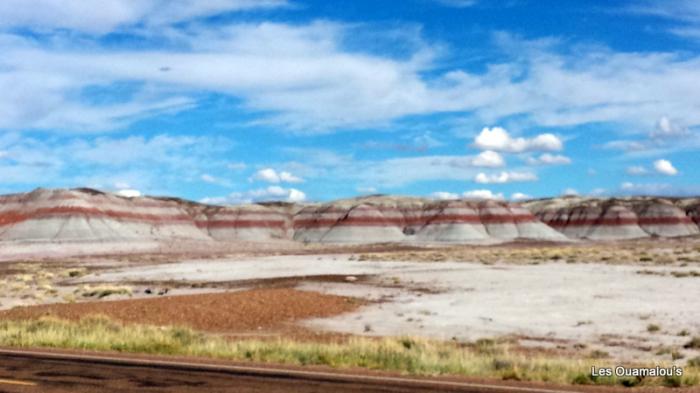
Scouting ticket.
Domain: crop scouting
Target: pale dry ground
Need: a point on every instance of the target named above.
(630, 300)
(582, 307)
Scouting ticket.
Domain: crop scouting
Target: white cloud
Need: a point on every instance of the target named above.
(129, 193)
(482, 194)
(214, 200)
(271, 193)
(499, 139)
(109, 15)
(680, 10)
(504, 177)
(268, 174)
(665, 167)
(272, 176)
(570, 192)
(444, 195)
(318, 85)
(549, 159)
(667, 136)
(488, 158)
(644, 189)
(289, 178)
(296, 195)
(519, 196)
(665, 128)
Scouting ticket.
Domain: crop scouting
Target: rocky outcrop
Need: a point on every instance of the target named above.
(387, 219)
(89, 215)
(619, 218)
(84, 215)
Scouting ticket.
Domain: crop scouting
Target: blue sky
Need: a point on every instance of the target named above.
(230, 101)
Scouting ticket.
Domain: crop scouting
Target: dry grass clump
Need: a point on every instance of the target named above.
(30, 281)
(484, 358)
(101, 291)
(681, 274)
(694, 343)
(74, 272)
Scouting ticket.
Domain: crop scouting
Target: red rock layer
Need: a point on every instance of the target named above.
(617, 218)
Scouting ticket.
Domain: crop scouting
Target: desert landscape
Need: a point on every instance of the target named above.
(471, 287)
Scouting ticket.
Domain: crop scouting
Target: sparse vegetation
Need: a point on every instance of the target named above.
(486, 358)
(74, 272)
(630, 253)
(653, 328)
(101, 291)
(694, 343)
(691, 273)
(694, 362)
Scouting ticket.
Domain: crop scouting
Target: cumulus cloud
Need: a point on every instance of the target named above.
(482, 194)
(499, 139)
(549, 159)
(272, 176)
(444, 195)
(570, 192)
(665, 128)
(665, 167)
(488, 158)
(271, 193)
(667, 136)
(129, 193)
(504, 177)
(519, 196)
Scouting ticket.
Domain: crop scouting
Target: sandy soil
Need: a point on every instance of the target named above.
(230, 312)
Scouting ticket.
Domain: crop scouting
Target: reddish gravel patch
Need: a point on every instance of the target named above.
(228, 312)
